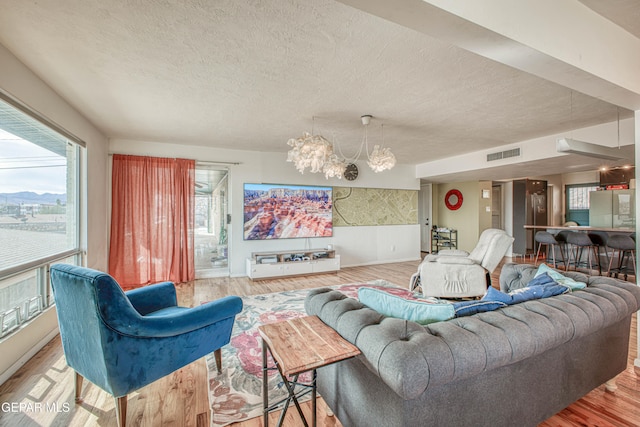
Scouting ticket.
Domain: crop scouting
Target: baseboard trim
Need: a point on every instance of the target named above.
(381, 262)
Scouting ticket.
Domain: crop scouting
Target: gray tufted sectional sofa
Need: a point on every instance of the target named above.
(515, 366)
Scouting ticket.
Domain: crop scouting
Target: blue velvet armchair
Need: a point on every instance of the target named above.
(122, 341)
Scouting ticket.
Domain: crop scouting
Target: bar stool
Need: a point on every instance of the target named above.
(624, 245)
(581, 241)
(549, 240)
(600, 238)
(561, 238)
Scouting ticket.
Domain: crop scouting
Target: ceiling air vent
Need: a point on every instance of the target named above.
(515, 152)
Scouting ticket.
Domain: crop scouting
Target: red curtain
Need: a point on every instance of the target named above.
(152, 220)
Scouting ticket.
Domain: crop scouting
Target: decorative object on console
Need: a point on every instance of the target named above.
(317, 153)
(453, 200)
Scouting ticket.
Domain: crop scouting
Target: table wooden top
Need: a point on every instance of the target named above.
(306, 343)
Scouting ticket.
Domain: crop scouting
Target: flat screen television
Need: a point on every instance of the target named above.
(279, 211)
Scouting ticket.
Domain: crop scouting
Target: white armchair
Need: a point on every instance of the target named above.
(456, 273)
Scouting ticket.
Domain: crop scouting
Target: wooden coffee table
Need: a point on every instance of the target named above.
(297, 346)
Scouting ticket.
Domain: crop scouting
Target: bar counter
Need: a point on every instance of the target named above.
(580, 228)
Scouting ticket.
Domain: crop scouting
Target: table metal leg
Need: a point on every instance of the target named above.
(286, 404)
(265, 385)
(313, 399)
(292, 395)
(291, 389)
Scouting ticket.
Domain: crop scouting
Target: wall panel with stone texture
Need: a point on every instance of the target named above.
(374, 206)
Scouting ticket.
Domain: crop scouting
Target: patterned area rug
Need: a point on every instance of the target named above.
(236, 393)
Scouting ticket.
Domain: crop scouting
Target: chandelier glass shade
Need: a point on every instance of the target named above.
(381, 159)
(334, 167)
(317, 153)
(309, 151)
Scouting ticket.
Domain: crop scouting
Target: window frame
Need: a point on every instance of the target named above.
(25, 311)
(574, 214)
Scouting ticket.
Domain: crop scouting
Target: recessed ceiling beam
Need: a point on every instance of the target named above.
(573, 146)
(564, 42)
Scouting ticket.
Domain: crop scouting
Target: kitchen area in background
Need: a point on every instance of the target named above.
(613, 204)
(606, 203)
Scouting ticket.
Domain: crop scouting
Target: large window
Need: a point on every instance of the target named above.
(578, 196)
(577, 206)
(39, 211)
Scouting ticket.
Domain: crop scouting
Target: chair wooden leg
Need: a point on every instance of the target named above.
(537, 254)
(78, 387)
(218, 356)
(121, 410)
(613, 254)
(563, 255)
(576, 258)
(596, 253)
(621, 255)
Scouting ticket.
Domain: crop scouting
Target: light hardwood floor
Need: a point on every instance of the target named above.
(181, 399)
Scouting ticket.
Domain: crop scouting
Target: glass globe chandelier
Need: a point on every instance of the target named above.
(317, 153)
(381, 158)
(309, 151)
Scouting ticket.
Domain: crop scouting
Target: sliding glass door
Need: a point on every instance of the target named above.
(211, 221)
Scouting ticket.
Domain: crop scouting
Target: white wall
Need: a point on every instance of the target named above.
(531, 150)
(356, 245)
(19, 82)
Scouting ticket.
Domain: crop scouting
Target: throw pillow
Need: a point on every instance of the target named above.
(467, 308)
(560, 278)
(393, 306)
(542, 286)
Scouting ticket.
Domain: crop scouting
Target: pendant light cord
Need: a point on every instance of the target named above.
(618, 111)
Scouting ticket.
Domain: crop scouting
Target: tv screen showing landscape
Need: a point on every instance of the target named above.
(275, 211)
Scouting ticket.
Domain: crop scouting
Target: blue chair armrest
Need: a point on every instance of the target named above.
(153, 297)
(179, 321)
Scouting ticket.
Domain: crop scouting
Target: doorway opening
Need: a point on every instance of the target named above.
(424, 217)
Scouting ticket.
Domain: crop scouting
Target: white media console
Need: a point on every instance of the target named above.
(264, 265)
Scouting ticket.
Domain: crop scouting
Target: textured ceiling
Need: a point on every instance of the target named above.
(252, 74)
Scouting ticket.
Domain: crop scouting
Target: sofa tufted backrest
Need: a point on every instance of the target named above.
(410, 358)
(516, 276)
